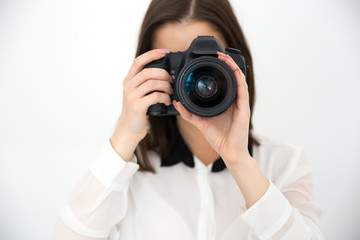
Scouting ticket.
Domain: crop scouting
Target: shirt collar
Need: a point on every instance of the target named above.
(181, 153)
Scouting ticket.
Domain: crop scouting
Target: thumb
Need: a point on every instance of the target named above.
(186, 115)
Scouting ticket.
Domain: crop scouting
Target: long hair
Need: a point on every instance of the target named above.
(219, 13)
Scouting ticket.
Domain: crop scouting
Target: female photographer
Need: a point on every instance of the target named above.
(186, 176)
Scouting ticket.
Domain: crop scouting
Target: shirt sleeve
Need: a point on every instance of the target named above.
(288, 212)
(99, 201)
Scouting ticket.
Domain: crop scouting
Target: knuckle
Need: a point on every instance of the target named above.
(136, 62)
(237, 69)
(143, 74)
(242, 74)
(146, 71)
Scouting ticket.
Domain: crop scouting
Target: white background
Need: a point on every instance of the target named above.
(61, 70)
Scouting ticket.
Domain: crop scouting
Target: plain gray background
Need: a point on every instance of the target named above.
(61, 70)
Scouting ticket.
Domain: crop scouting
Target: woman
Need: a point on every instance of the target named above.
(231, 184)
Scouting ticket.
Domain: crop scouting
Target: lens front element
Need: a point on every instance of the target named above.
(206, 86)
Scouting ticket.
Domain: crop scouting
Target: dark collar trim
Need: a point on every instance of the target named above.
(181, 153)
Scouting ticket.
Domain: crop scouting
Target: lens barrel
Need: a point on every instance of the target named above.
(206, 86)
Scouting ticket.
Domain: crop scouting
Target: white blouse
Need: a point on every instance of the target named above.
(116, 201)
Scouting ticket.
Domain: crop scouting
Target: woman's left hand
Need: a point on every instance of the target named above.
(228, 132)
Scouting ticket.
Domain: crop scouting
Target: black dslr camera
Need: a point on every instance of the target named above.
(204, 84)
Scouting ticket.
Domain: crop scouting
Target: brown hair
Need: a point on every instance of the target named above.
(220, 14)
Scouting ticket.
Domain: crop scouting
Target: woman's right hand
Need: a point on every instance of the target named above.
(139, 82)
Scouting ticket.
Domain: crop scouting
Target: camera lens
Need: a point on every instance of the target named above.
(206, 86)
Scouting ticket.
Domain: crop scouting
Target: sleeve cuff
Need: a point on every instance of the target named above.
(109, 164)
(268, 214)
(68, 218)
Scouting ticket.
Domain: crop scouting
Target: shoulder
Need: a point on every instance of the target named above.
(277, 146)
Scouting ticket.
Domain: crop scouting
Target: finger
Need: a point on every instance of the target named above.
(242, 99)
(147, 74)
(237, 71)
(153, 85)
(232, 64)
(186, 115)
(144, 59)
(154, 98)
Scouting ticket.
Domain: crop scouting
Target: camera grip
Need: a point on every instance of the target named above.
(158, 109)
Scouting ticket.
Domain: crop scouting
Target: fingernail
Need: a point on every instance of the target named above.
(171, 79)
(163, 51)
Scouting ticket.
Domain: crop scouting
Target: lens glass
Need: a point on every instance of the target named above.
(205, 86)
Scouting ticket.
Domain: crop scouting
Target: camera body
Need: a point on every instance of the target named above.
(204, 84)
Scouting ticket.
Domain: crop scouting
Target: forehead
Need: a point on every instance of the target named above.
(178, 36)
